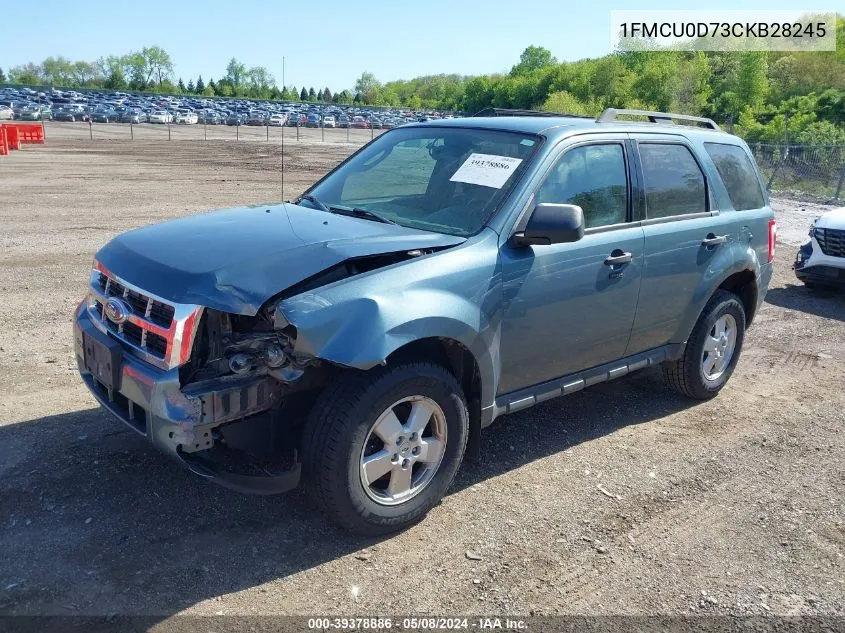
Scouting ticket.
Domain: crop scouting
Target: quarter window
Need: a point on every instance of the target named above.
(594, 178)
(674, 184)
(738, 174)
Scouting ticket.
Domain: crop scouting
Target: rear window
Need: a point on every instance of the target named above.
(738, 174)
(674, 183)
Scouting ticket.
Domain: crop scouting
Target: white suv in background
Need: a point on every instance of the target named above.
(328, 121)
(821, 261)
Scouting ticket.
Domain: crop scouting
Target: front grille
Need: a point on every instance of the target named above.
(159, 313)
(831, 241)
(148, 314)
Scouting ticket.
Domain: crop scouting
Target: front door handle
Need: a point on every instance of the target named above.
(713, 240)
(618, 257)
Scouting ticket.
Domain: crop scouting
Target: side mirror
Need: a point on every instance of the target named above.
(551, 224)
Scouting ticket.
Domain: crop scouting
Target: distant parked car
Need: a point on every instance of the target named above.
(35, 113)
(208, 117)
(133, 116)
(329, 121)
(187, 118)
(277, 120)
(104, 116)
(313, 120)
(360, 122)
(71, 113)
(297, 120)
(6, 113)
(343, 121)
(235, 119)
(161, 116)
(256, 118)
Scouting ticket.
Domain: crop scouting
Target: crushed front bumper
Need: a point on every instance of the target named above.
(149, 400)
(812, 266)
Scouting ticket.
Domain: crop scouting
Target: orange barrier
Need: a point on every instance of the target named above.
(13, 138)
(29, 132)
(4, 147)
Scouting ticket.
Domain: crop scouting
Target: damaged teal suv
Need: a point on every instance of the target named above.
(357, 339)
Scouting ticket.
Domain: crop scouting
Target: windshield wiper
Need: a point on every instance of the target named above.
(358, 212)
(315, 201)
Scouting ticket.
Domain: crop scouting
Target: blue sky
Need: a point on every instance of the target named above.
(326, 43)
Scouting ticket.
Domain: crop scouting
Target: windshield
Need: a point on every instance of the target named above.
(448, 180)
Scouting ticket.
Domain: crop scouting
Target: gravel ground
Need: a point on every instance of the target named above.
(621, 499)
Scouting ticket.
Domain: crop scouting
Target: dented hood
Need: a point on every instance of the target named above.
(234, 260)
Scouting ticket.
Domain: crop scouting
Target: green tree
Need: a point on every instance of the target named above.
(368, 88)
(181, 85)
(533, 58)
(26, 74)
(199, 88)
(2, 76)
(303, 96)
(312, 95)
(691, 85)
(752, 80)
(157, 64)
(259, 82)
(57, 71)
(344, 96)
(136, 66)
(567, 103)
(235, 73)
(326, 95)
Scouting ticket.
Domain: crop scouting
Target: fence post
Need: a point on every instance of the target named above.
(297, 131)
(205, 131)
(323, 130)
(238, 131)
(841, 180)
(347, 133)
(777, 168)
(90, 129)
(168, 130)
(131, 131)
(267, 127)
(372, 132)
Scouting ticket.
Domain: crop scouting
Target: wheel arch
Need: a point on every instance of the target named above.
(457, 358)
(743, 284)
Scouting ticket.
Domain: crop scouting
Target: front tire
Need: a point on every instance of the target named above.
(381, 448)
(712, 351)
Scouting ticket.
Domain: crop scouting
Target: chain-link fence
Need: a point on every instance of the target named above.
(93, 131)
(814, 170)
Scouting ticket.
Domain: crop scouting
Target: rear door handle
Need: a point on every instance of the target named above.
(618, 257)
(713, 240)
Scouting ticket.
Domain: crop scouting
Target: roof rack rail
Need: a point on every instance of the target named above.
(507, 112)
(611, 114)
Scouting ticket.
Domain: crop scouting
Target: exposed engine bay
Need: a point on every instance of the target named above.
(250, 388)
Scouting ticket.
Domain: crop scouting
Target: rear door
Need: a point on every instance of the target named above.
(684, 232)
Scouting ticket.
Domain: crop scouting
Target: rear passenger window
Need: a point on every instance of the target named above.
(594, 178)
(738, 174)
(674, 184)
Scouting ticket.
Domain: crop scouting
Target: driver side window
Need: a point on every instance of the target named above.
(593, 177)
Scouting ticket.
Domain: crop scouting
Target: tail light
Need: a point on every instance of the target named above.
(773, 230)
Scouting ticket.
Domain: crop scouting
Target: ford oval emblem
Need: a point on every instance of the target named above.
(117, 311)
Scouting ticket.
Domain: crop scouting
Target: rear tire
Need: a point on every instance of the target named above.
(710, 356)
(350, 428)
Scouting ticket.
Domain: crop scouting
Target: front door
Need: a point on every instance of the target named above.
(569, 307)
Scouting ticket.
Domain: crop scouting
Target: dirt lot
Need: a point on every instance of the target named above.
(732, 506)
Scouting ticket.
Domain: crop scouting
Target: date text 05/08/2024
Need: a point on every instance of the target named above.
(412, 623)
